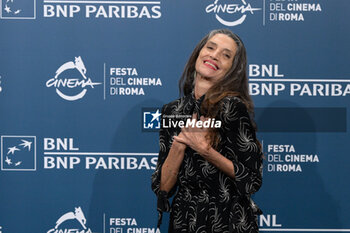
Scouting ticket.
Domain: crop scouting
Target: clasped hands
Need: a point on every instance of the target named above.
(194, 137)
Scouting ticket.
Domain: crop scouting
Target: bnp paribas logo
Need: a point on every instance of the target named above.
(18, 9)
(18, 153)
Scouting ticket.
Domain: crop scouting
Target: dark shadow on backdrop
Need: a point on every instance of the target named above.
(299, 199)
(127, 193)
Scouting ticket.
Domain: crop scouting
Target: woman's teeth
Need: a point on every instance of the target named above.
(212, 65)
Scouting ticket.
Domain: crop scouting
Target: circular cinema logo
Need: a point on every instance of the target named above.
(231, 12)
(73, 222)
(70, 80)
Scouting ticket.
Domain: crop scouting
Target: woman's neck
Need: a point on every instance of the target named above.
(201, 86)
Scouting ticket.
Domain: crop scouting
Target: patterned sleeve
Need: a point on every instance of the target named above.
(165, 140)
(241, 146)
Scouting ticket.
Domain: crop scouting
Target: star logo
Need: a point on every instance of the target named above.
(156, 115)
(8, 5)
(8, 161)
(18, 9)
(7, 9)
(151, 119)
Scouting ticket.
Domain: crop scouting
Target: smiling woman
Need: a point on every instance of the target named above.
(213, 170)
(215, 58)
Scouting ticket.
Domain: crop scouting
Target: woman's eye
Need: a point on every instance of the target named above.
(227, 56)
(209, 47)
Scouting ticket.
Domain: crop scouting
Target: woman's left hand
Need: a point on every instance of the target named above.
(195, 137)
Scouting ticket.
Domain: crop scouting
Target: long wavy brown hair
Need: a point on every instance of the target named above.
(234, 83)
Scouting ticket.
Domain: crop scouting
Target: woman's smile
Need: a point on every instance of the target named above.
(211, 64)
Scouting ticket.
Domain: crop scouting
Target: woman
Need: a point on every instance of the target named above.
(214, 170)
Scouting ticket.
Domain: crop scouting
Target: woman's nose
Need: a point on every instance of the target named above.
(214, 54)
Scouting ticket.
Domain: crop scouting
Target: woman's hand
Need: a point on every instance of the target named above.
(194, 137)
(178, 146)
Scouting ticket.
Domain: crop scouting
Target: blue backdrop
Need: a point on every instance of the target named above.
(81, 82)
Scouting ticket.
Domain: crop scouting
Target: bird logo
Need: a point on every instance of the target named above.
(18, 152)
(12, 150)
(26, 144)
(11, 9)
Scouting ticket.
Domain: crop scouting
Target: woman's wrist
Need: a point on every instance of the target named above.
(205, 150)
(178, 146)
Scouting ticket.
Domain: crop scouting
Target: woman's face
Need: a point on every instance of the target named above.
(216, 57)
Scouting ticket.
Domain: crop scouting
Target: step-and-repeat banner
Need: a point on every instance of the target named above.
(82, 83)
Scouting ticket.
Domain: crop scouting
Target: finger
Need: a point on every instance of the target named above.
(179, 139)
(182, 135)
(202, 119)
(184, 130)
(185, 134)
(194, 116)
(190, 130)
